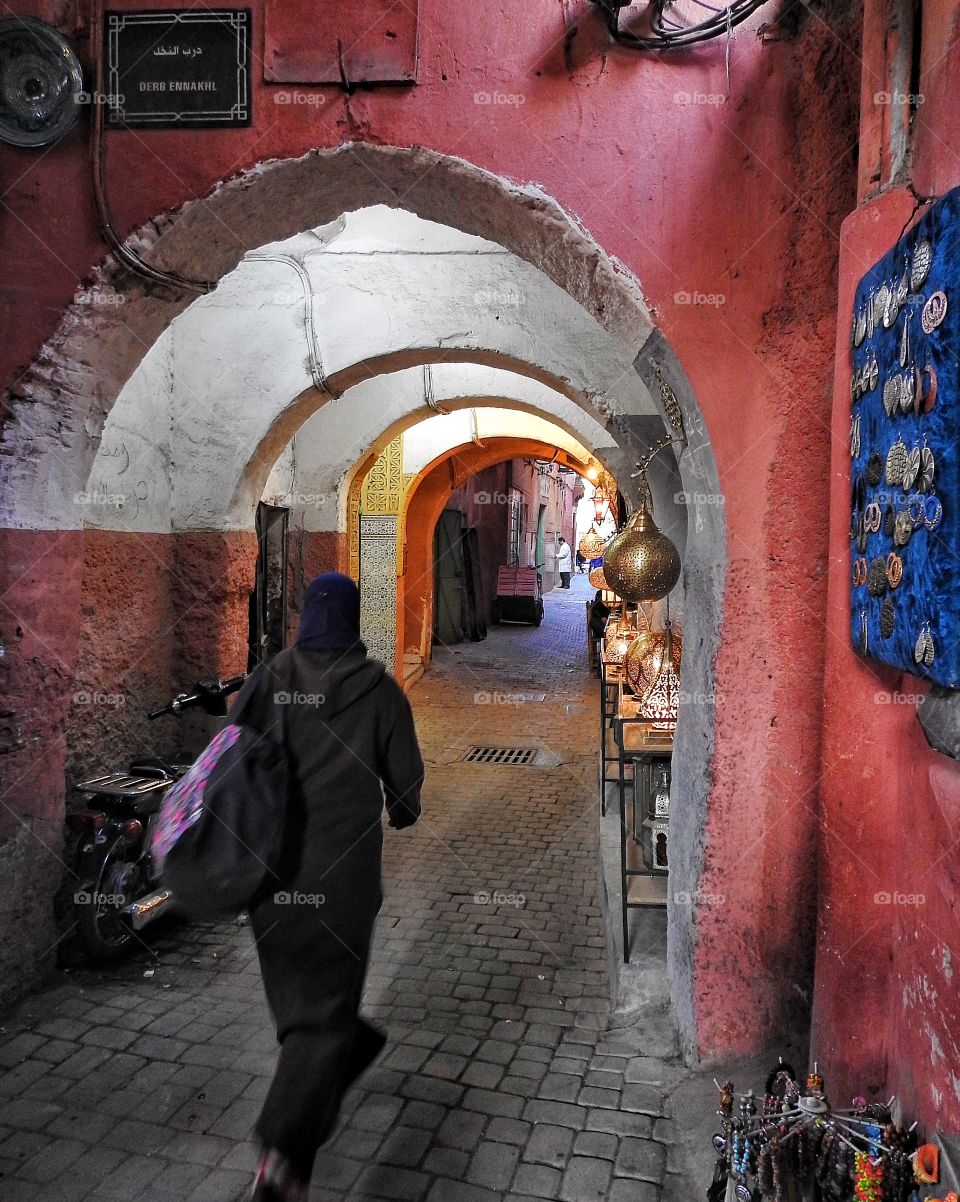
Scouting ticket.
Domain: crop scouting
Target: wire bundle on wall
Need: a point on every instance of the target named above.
(673, 25)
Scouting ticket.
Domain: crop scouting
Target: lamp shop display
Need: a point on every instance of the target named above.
(905, 452)
(793, 1146)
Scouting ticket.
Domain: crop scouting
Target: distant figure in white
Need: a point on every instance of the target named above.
(564, 559)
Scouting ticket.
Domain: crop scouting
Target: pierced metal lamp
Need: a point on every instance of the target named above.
(652, 669)
(592, 543)
(641, 563)
(598, 580)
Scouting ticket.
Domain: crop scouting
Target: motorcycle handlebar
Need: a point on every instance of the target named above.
(210, 689)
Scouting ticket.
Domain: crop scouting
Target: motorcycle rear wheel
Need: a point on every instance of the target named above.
(103, 933)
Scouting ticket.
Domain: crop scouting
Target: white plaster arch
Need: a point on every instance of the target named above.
(318, 465)
(233, 376)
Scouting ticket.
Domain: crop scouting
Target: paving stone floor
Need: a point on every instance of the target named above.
(506, 1076)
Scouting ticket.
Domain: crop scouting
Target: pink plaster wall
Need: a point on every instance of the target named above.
(725, 203)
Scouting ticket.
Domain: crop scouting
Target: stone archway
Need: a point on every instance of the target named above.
(383, 522)
(57, 414)
(427, 495)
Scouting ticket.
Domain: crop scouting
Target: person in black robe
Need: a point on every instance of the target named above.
(349, 732)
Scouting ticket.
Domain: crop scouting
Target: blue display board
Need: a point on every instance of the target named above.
(905, 452)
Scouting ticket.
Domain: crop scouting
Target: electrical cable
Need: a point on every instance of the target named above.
(320, 381)
(668, 33)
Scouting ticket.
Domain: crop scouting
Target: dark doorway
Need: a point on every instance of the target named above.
(448, 577)
(268, 601)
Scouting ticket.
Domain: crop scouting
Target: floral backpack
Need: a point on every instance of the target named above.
(219, 831)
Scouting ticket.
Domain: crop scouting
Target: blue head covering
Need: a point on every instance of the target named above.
(331, 614)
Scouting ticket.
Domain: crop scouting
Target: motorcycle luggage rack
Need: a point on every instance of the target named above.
(123, 784)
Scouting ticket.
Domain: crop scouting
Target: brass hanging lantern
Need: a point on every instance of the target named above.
(592, 543)
(604, 495)
(640, 563)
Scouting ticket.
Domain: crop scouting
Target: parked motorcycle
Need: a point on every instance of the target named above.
(117, 892)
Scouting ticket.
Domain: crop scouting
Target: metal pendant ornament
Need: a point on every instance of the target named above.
(903, 284)
(934, 311)
(896, 463)
(920, 264)
(891, 395)
(894, 569)
(905, 341)
(877, 577)
(926, 388)
(906, 391)
(888, 617)
(855, 437)
(924, 650)
(859, 326)
(875, 468)
(902, 529)
(927, 468)
(881, 315)
(932, 512)
(912, 470)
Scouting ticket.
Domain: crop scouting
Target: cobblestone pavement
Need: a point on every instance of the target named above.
(506, 1076)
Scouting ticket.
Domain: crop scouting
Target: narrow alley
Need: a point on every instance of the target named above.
(506, 1075)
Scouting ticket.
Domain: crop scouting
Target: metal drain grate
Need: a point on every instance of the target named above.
(511, 756)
